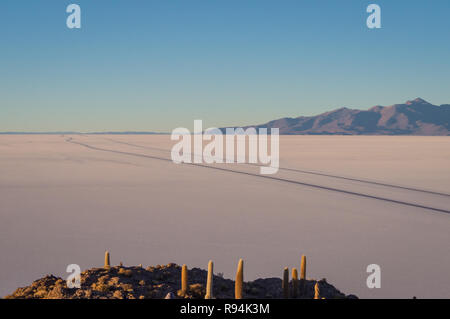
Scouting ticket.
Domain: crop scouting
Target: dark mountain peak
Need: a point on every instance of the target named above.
(417, 101)
(339, 111)
(376, 108)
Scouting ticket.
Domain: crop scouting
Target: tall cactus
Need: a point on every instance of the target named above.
(303, 268)
(294, 283)
(209, 282)
(184, 280)
(316, 291)
(285, 283)
(238, 285)
(107, 260)
(303, 276)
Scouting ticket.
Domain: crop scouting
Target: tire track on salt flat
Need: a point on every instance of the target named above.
(267, 177)
(309, 172)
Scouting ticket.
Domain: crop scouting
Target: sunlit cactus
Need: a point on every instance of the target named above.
(107, 260)
(209, 282)
(303, 268)
(316, 291)
(285, 283)
(184, 280)
(294, 283)
(303, 275)
(238, 285)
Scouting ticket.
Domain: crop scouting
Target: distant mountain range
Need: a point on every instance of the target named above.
(416, 117)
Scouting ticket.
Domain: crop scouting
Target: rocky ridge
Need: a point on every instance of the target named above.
(157, 282)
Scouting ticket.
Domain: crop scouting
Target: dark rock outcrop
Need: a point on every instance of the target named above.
(157, 282)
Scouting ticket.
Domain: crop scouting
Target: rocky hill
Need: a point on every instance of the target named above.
(416, 117)
(121, 282)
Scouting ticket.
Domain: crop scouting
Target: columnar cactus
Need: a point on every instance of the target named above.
(316, 291)
(107, 261)
(184, 280)
(238, 285)
(285, 283)
(209, 282)
(294, 283)
(303, 276)
(303, 268)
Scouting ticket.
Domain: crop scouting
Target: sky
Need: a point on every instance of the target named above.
(144, 65)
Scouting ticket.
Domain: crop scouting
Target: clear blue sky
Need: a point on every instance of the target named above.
(155, 65)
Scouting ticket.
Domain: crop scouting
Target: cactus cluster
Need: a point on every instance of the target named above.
(291, 289)
(297, 289)
(183, 292)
